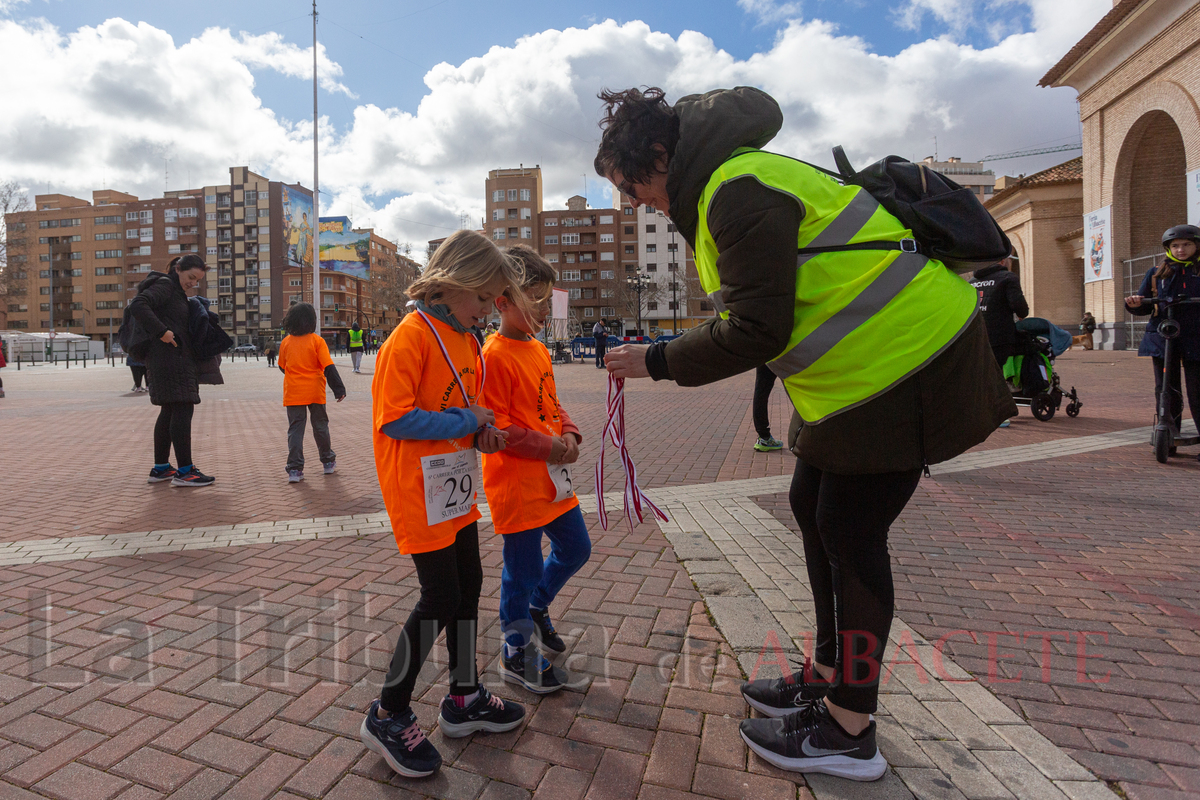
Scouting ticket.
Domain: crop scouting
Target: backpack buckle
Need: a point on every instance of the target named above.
(908, 245)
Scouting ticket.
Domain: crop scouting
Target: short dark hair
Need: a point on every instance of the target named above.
(634, 122)
(537, 270)
(300, 319)
(187, 262)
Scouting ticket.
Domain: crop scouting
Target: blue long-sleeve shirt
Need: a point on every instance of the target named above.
(453, 423)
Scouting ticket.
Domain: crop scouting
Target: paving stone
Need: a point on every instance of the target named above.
(1053, 763)
(1018, 775)
(77, 782)
(964, 770)
(889, 787)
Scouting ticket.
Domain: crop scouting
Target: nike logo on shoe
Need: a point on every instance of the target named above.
(816, 752)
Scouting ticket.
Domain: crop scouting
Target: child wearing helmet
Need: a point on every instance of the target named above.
(1177, 277)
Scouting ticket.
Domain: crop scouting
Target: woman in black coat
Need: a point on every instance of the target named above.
(161, 310)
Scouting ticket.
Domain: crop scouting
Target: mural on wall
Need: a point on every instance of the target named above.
(343, 250)
(1097, 238)
(298, 227)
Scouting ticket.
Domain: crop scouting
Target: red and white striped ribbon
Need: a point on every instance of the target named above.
(614, 429)
(450, 362)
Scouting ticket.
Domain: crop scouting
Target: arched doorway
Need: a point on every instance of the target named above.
(1149, 196)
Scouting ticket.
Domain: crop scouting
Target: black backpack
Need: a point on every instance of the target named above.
(134, 340)
(948, 222)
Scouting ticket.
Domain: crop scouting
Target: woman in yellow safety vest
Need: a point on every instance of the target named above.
(882, 353)
(355, 345)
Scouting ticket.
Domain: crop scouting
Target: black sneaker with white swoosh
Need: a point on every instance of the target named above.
(810, 741)
(785, 695)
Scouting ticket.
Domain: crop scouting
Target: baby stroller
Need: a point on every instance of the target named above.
(1031, 376)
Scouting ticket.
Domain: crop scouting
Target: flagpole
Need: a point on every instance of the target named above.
(316, 220)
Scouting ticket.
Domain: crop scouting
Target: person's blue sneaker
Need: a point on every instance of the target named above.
(193, 477)
(544, 628)
(158, 475)
(330, 468)
(486, 713)
(1005, 424)
(529, 668)
(401, 742)
(295, 475)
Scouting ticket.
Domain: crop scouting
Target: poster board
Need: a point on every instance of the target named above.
(298, 227)
(343, 250)
(1097, 245)
(560, 311)
(1193, 197)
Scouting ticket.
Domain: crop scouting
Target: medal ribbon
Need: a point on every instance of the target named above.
(614, 429)
(450, 362)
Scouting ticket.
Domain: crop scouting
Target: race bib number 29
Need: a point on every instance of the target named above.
(451, 481)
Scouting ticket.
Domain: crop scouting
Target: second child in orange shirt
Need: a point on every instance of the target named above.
(528, 483)
(306, 366)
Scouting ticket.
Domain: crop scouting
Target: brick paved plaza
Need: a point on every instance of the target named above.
(161, 642)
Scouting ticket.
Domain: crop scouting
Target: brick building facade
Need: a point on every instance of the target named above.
(1137, 74)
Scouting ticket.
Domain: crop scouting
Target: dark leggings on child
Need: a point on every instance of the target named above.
(451, 579)
(138, 374)
(1191, 385)
(174, 428)
(764, 381)
(844, 521)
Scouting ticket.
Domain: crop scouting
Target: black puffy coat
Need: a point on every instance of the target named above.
(1000, 297)
(1184, 283)
(162, 305)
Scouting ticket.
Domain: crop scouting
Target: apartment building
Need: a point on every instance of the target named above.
(967, 174)
(76, 264)
(672, 300)
(583, 243)
(513, 202)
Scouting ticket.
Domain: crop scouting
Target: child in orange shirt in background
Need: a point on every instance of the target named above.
(428, 427)
(529, 482)
(306, 366)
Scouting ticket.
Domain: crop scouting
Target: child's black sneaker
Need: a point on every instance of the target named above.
(531, 670)
(545, 630)
(811, 741)
(486, 713)
(779, 696)
(401, 742)
(193, 477)
(158, 475)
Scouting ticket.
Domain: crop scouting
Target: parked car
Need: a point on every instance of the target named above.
(246, 348)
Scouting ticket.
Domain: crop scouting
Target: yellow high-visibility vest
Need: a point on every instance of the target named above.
(864, 319)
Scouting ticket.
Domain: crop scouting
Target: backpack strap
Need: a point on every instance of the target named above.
(905, 245)
(843, 163)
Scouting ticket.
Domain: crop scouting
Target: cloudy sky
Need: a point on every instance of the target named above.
(420, 98)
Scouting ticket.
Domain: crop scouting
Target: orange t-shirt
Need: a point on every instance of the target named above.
(411, 372)
(303, 360)
(520, 391)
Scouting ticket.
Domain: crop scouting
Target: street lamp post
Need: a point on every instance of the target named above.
(638, 283)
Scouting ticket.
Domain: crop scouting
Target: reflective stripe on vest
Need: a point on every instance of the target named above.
(864, 320)
(356, 338)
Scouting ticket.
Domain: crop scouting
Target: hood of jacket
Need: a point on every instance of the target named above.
(988, 271)
(711, 126)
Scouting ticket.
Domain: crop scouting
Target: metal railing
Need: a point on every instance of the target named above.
(1135, 327)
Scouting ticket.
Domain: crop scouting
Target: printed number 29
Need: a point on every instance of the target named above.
(458, 486)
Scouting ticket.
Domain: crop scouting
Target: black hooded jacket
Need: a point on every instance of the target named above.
(162, 305)
(1000, 297)
(952, 404)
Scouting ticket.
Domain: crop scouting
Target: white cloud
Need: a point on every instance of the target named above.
(114, 99)
(7, 6)
(769, 11)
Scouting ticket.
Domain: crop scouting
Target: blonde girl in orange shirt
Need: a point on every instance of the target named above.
(428, 432)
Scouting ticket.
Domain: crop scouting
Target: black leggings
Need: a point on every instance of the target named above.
(844, 521)
(764, 381)
(451, 579)
(138, 374)
(174, 427)
(1191, 383)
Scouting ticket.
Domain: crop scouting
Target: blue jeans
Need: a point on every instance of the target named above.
(526, 581)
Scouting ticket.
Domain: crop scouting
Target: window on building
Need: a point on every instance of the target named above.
(629, 250)
(672, 246)
(606, 219)
(651, 229)
(108, 254)
(146, 216)
(651, 248)
(170, 214)
(551, 240)
(498, 196)
(550, 222)
(512, 213)
(608, 311)
(652, 268)
(627, 211)
(251, 197)
(327, 283)
(294, 281)
(629, 230)
(652, 305)
(606, 292)
(108, 270)
(131, 233)
(512, 233)
(498, 233)
(497, 214)
(526, 233)
(103, 304)
(101, 237)
(607, 256)
(588, 294)
(574, 294)
(147, 234)
(108, 287)
(570, 238)
(113, 220)
(570, 275)
(170, 233)
(552, 258)
(606, 238)
(606, 274)
(131, 216)
(187, 212)
(569, 257)
(525, 194)
(512, 195)
(672, 305)
(526, 213)
(589, 312)
(224, 284)
(651, 210)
